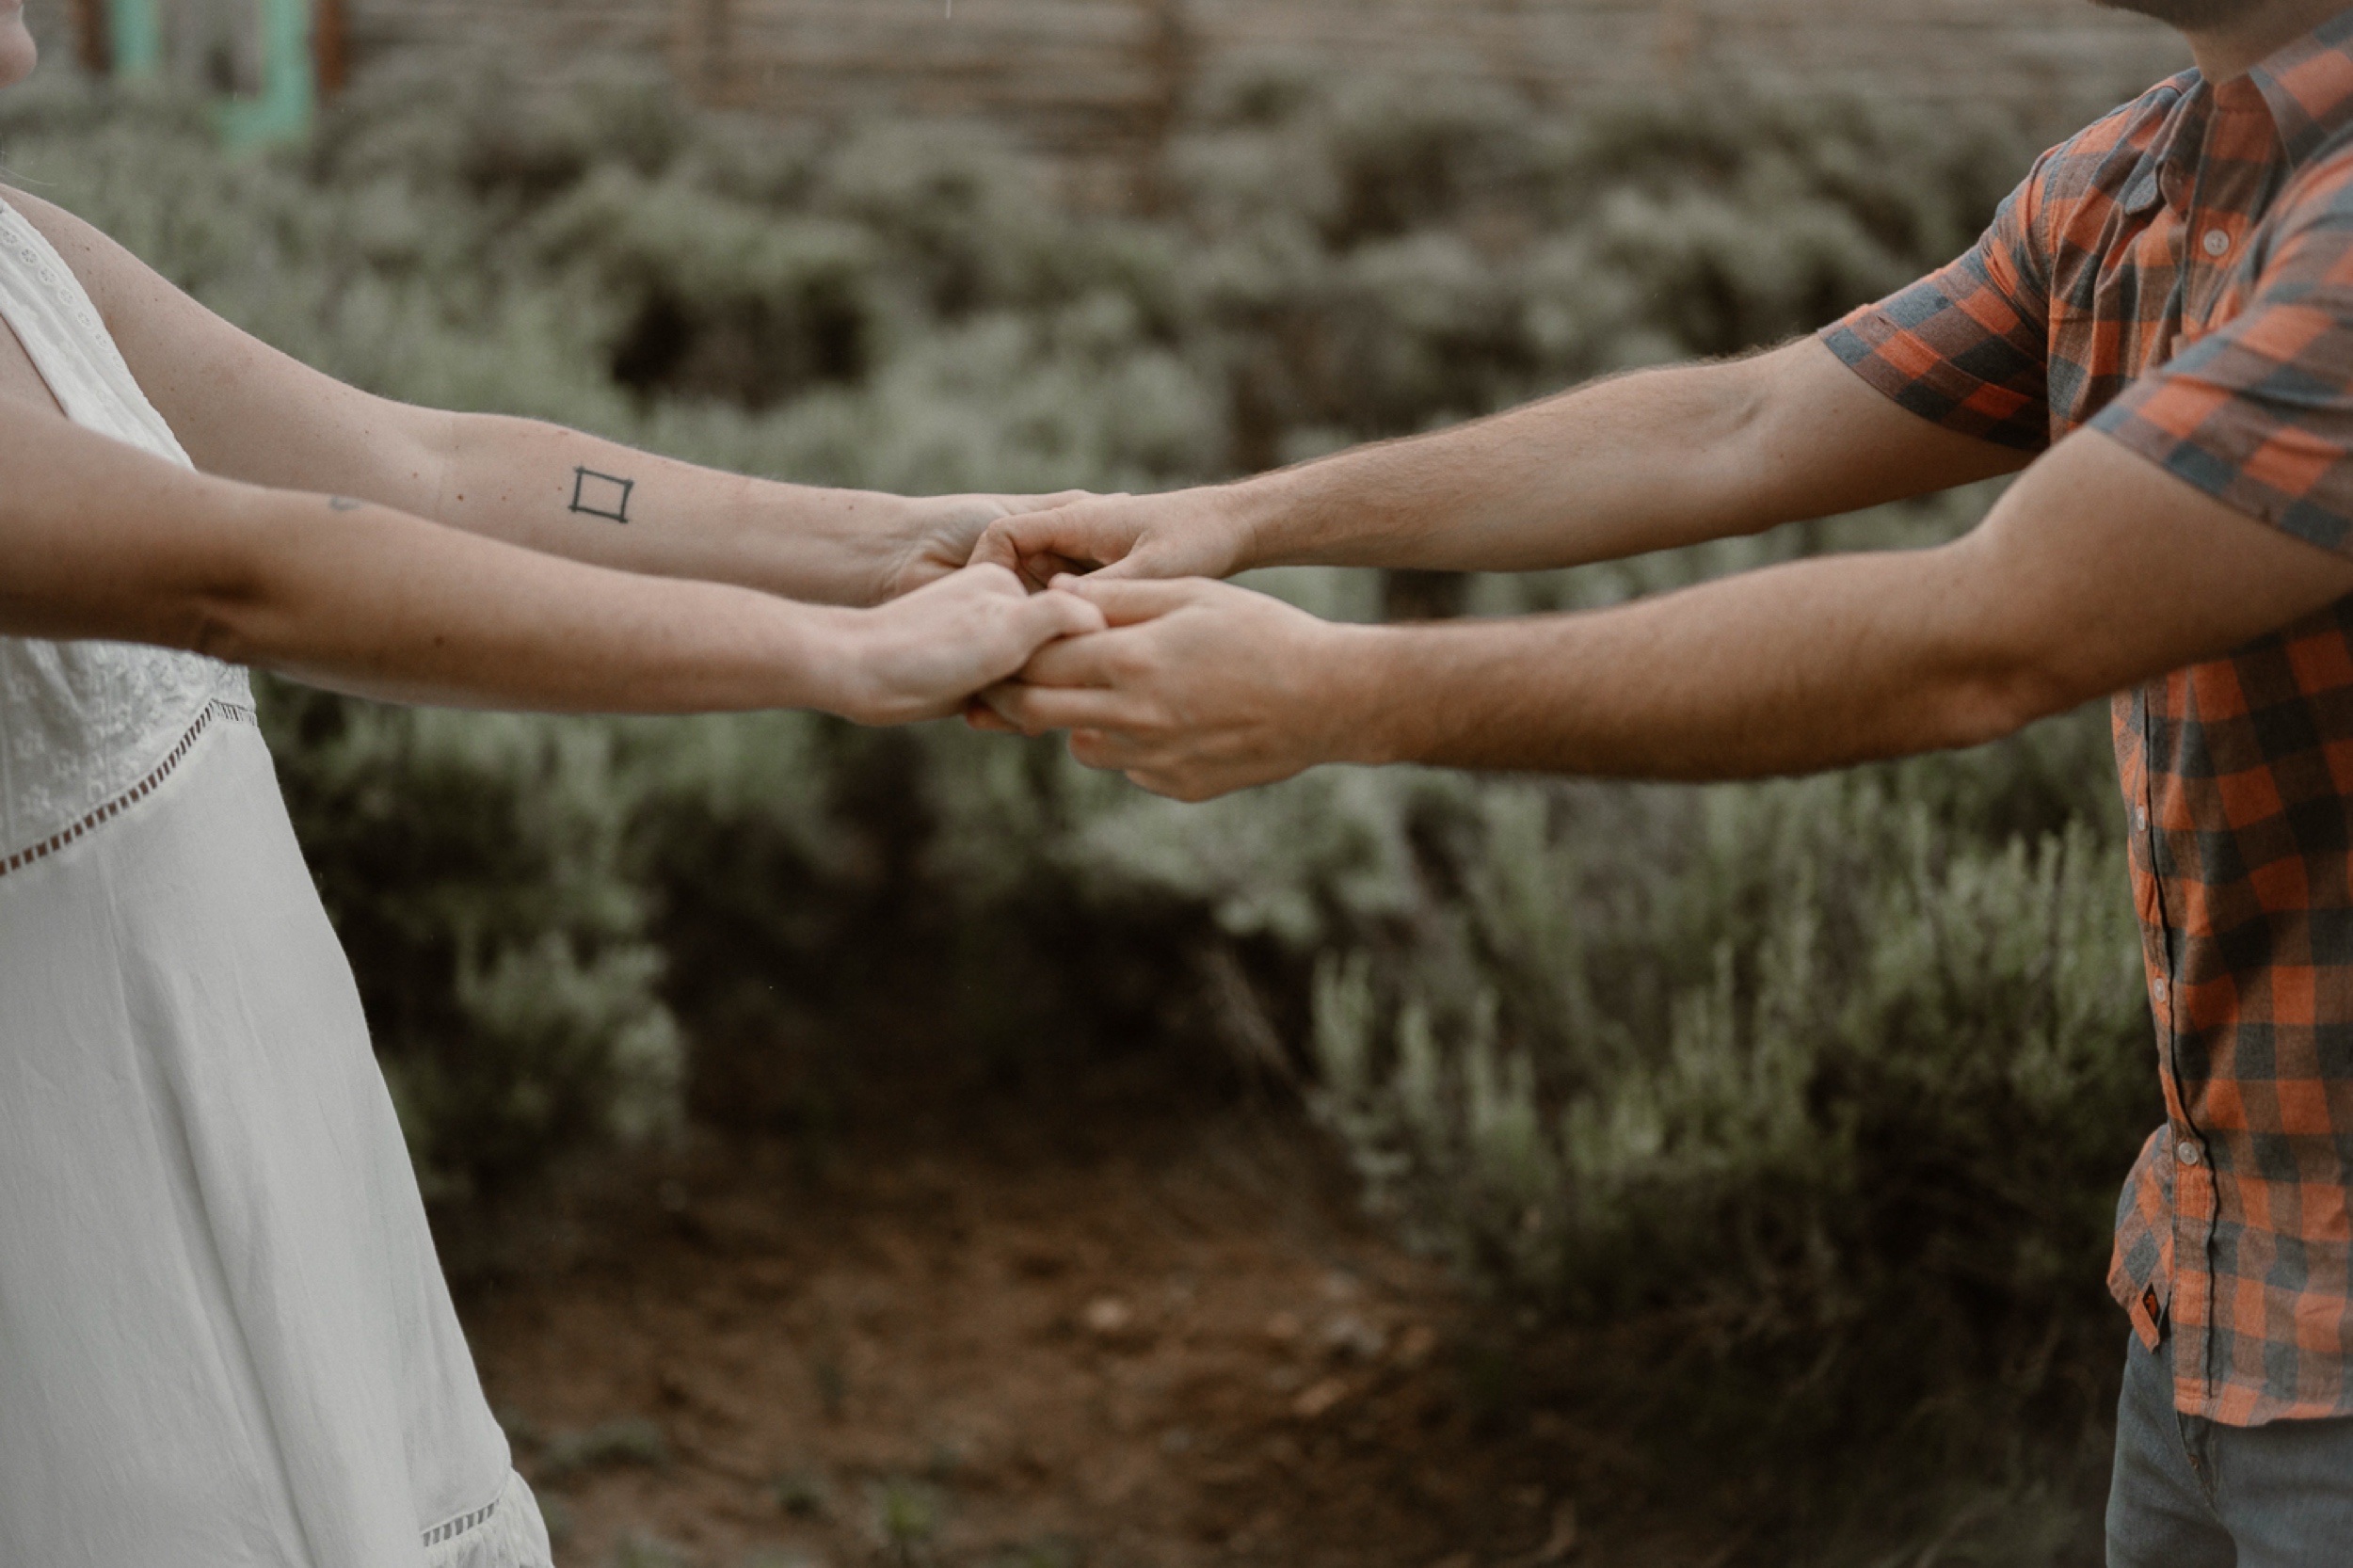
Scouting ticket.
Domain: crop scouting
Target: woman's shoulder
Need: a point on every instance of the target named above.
(102, 268)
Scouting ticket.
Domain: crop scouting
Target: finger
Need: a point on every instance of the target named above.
(995, 547)
(1104, 749)
(1176, 786)
(979, 715)
(1035, 572)
(1038, 709)
(1147, 563)
(1001, 702)
(1051, 615)
(1127, 600)
(1039, 571)
(994, 581)
(1076, 662)
(1072, 530)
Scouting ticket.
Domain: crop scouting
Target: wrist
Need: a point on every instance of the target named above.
(881, 537)
(827, 546)
(836, 671)
(1364, 694)
(1261, 516)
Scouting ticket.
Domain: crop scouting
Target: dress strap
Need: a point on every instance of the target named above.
(59, 327)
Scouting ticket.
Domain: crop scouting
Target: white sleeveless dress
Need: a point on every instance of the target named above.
(224, 1335)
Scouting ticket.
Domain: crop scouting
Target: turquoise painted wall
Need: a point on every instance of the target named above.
(281, 111)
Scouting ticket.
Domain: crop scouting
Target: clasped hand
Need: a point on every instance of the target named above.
(1194, 688)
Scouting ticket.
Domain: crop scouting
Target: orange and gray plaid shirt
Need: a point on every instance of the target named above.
(2180, 278)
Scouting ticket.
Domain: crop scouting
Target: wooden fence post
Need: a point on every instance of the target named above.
(703, 45)
(1172, 56)
(289, 95)
(93, 39)
(331, 55)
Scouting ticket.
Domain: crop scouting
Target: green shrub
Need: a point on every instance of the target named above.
(477, 869)
(1829, 1084)
(1830, 1100)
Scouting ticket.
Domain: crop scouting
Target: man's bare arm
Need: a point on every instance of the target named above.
(1637, 463)
(2097, 570)
(246, 411)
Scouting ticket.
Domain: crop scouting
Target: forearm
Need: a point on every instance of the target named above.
(563, 493)
(1816, 664)
(106, 543)
(1648, 461)
(397, 608)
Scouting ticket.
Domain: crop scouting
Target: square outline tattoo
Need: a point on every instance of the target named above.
(584, 503)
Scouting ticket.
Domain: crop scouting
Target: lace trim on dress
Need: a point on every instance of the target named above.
(216, 711)
(460, 1524)
(70, 300)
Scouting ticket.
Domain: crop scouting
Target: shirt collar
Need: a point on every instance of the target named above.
(2306, 89)
(2308, 86)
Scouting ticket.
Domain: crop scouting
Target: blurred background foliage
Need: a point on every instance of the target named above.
(1818, 1093)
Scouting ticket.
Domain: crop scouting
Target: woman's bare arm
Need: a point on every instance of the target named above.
(98, 539)
(244, 410)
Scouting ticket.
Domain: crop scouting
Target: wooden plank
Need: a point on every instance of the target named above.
(1065, 74)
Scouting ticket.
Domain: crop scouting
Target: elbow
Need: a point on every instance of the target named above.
(1994, 703)
(235, 610)
(1744, 440)
(218, 630)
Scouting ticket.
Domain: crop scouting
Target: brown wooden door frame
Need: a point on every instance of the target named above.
(93, 38)
(331, 57)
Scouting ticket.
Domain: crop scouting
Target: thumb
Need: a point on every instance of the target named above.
(1125, 601)
(1074, 529)
(998, 546)
(1056, 613)
(1137, 566)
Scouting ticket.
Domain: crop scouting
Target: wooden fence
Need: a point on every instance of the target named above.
(1086, 78)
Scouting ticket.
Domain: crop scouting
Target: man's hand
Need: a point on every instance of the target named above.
(937, 534)
(1198, 689)
(923, 655)
(1198, 533)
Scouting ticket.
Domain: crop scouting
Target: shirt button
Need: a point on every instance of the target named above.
(2186, 1152)
(2140, 818)
(2218, 243)
(2157, 987)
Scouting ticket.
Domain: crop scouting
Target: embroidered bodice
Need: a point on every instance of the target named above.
(82, 724)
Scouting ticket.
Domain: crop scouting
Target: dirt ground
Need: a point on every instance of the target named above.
(1175, 1344)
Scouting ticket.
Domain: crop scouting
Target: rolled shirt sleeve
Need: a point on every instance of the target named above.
(2258, 412)
(1968, 346)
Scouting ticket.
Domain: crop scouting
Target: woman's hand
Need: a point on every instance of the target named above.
(935, 534)
(1196, 533)
(923, 655)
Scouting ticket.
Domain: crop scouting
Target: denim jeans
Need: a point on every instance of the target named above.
(2190, 1494)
